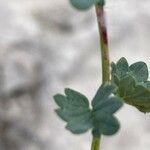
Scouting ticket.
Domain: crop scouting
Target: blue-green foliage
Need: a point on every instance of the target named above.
(86, 4)
(82, 4)
(132, 83)
(104, 106)
(75, 110)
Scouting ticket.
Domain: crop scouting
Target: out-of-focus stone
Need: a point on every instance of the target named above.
(22, 72)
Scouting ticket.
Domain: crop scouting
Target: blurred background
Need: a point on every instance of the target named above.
(45, 46)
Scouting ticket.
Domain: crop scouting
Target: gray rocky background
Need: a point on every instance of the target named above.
(45, 46)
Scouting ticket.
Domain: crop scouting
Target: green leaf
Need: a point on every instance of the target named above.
(126, 85)
(104, 106)
(74, 109)
(76, 98)
(102, 94)
(80, 124)
(140, 98)
(132, 86)
(110, 106)
(82, 4)
(139, 71)
(108, 124)
(122, 67)
(61, 100)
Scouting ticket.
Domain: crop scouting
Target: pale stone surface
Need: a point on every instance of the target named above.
(46, 46)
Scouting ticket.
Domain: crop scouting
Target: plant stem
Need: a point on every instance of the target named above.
(104, 57)
(95, 143)
(103, 42)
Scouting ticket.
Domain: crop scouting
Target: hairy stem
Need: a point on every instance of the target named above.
(105, 57)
